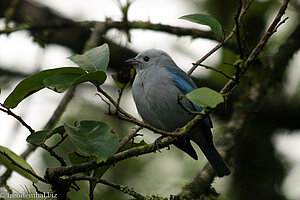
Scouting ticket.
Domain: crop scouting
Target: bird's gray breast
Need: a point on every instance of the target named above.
(156, 96)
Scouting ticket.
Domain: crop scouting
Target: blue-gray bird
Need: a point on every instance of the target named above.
(155, 90)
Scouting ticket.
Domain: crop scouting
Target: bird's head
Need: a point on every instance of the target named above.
(151, 58)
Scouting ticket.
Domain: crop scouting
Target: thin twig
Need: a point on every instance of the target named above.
(107, 103)
(280, 23)
(115, 104)
(128, 137)
(195, 65)
(238, 35)
(63, 137)
(37, 189)
(17, 117)
(121, 188)
(187, 109)
(270, 31)
(119, 99)
(148, 126)
(216, 70)
(55, 155)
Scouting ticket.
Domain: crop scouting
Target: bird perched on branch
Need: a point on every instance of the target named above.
(155, 90)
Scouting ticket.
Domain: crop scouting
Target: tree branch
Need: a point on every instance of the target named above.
(120, 25)
(136, 151)
(178, 31)
(121, 188)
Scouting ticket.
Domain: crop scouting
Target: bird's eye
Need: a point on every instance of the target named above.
(146, 58)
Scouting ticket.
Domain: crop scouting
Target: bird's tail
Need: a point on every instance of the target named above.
(209, 151)
(205, 142)
(185, 145)
(216, 162)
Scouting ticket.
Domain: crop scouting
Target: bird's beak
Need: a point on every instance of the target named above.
(132, 62)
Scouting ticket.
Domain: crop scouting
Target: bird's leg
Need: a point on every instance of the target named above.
(177, 129)
(157, 143)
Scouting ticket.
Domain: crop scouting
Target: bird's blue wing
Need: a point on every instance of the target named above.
(186, 85)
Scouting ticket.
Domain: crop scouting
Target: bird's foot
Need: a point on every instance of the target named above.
(177, 129)
(157, 143)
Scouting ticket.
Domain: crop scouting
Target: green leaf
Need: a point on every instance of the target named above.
(93, 138)
(39, 137)
(95, 59)
(205, 97)
(34, 83)
(76, 158)
(17, 159)
(60, 82)
(97, 77)
(99, 172)
(205, 20)
(60, 130)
